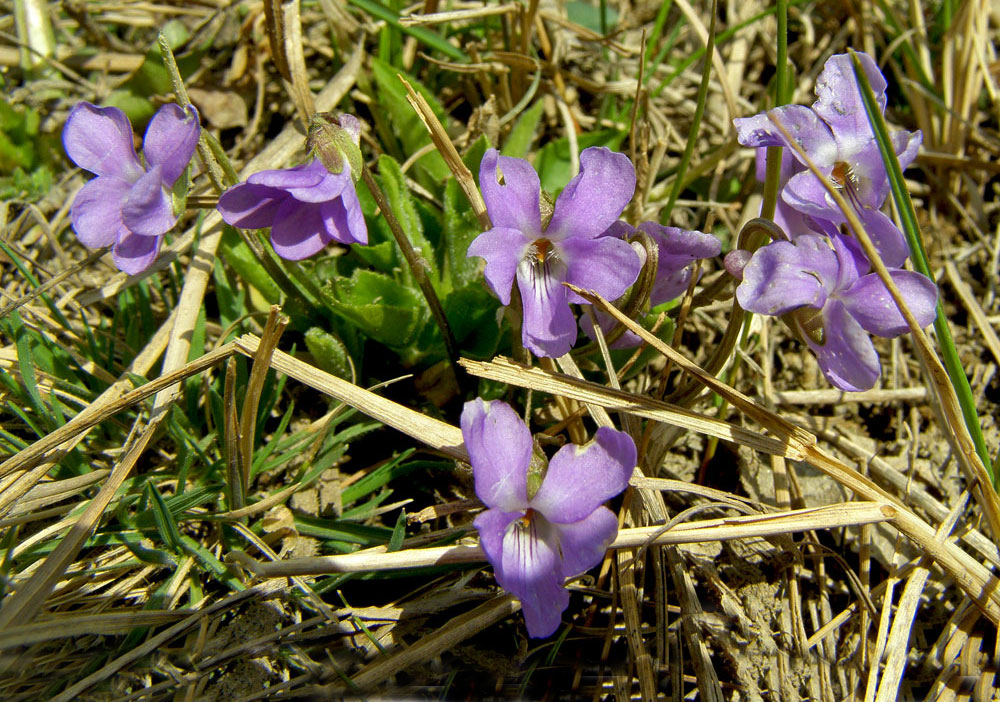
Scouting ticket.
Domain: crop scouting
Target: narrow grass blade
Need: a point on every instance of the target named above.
(908, 218)
(431, 39)
(699, 112)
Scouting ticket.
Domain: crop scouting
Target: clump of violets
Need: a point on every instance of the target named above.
(677, 250)
(310, 205)
(542, 253)
(537, 535)
(129, 205)
(819, 280)
(835, 134)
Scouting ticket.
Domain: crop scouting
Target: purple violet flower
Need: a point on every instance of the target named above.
(128, 206)
(569, 249)
(785, 276)
(677, 249)
(535, 541)
(837, 137)
(306, 207)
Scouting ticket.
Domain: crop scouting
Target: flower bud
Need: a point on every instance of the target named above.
(336, 143)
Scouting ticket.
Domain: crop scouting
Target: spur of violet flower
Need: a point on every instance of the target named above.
(307, 206)
(836, 135)
(676, 249)
(569, 248)
(826, 275)
(535, 539)
(128, 206)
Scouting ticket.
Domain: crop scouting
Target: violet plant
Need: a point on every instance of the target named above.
(129, 205)
(835, 134)
(543, 253)
(819, 280)
(537, 534)
(308, 206)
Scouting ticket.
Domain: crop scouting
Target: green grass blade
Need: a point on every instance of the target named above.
(431, 39)
(699, 112)
(908, 218)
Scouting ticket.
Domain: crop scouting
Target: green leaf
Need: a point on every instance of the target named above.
(403, 206)
(472, 314)
(460, 228)
(586, 15)
(164, 520)
(329, 352)
(426, 36)
(474, 154)
(400, 118)
(380, 307)
(523, 133)
(239, 256)
(398, 532)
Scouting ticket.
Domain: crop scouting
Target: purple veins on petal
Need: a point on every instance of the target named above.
(548, 327)
(564, 529)
(568, 250)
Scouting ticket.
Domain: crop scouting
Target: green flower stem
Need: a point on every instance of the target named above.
(417, 267)
(908, 218)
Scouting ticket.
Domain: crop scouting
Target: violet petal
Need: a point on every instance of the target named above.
(582, 478)
(97, 211)
(847, 358)
(676, 250)
(784, 276)
(251, 206)
(299, 230)
(886, 237)
(594, 199)
(512, 204)
(548, 327)
(327, 187)
(806, 193)
(147, 210)
(499, 446)
(870, 303)
(99, 140)
(532, 572)
(347, 221)
(584, 543)
(303, 176)
(606, 265)
(170, 140)
(134, 253)
(839, 97)
(503, 249)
